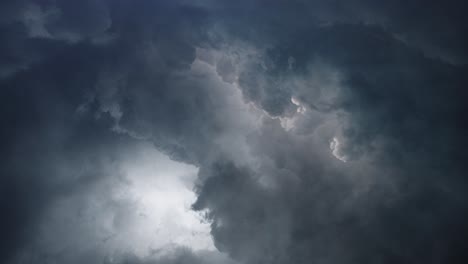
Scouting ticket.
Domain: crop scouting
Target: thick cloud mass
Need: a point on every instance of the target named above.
(320, 131)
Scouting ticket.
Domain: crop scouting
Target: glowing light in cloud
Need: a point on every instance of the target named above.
(335, 147)
(288, 123)
(147, 208)
(163, 191)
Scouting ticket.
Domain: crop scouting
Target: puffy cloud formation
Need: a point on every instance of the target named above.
(243, 132)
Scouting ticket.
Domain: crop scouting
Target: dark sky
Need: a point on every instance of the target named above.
(233, 132)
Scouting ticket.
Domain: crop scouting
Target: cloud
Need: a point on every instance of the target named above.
(67, 120)
(398, 110)
(250, 93)
(179, 256)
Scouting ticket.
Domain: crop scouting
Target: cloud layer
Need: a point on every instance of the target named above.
(318, 132)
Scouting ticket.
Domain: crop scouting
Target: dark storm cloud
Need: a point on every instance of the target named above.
(40, 134)
(56, 137)
(404, 109)
(82, 80)
(436, 28)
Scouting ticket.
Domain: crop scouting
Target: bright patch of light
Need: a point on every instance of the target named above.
(163, 191)
(143, 205)
(335, 147)
(289, 123)
(300, 108)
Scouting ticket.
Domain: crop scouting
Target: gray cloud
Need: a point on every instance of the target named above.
(252, 93)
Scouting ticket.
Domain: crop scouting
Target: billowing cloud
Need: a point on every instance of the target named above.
(233, 132)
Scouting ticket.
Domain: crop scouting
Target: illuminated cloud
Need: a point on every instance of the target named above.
(221, 132)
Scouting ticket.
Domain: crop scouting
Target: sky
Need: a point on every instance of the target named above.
(233, 132)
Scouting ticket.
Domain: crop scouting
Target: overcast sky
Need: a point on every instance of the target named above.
(233, 132)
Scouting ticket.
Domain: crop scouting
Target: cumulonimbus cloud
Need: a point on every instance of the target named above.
(250, 93)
